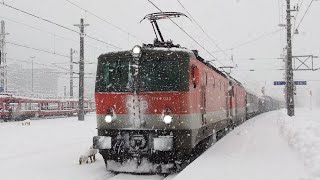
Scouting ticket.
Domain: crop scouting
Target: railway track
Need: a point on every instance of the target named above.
(195, 154)
(125, 176)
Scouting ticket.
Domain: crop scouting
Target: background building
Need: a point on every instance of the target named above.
(43, 82)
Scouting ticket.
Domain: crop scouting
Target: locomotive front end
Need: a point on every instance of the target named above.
(140, 102)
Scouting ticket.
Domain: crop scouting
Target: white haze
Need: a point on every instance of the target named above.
(229, 22)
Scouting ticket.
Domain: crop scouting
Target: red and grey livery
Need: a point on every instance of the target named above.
(160, 104)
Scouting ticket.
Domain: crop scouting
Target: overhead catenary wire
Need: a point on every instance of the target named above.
(190, 36)
(299, 5)
(208, 36)
(281, 19)
(37, 49)
(104, 20)
(32, 27)
(52, 65)
(96, 39)
(242, 44)
(220, 50)
(56, 24)
(256, 39)
(255, 59)
(43, 50)
(251, 41)
(52, 72)
(38, 17)
(202, 29)
(186, 32)
(48, 32)
(254, 70)
(45, 65)
(295, 28)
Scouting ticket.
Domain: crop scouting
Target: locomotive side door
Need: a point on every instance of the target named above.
(230, 99)
(236, 104)
(203, 102)
(227, 104)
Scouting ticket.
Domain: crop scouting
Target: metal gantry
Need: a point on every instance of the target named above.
(304, 63)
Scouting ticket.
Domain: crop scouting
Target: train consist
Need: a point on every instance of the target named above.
(261, 104)
(20, 108)
(157, 103)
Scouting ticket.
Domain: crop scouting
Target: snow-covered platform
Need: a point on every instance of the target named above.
(271, 146)
(49, 149)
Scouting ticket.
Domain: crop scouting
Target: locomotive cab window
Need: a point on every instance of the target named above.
(155, 71)
(194, 75)
(116, 73)
(157, 75)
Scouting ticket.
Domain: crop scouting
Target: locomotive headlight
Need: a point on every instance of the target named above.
(108, 118)
(167, 119)
(136, 51)
(110, 115)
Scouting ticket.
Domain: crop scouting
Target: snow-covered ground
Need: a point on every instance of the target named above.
(49, 149)
(303, 135)
(271, 146)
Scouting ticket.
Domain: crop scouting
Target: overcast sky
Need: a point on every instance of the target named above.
(230, 23)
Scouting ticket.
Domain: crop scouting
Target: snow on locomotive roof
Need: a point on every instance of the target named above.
(171, 49)
(128, 52)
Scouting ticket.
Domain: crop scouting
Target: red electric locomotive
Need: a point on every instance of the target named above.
(157, 103)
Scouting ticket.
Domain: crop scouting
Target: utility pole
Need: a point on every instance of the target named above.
(71, 72)
(3, 60)
(32, 74)
(64, 92)
(81, 71)
(289, 70)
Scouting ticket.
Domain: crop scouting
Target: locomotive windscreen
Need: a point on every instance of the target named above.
(159, 75)
(115, 73)
(157, 72)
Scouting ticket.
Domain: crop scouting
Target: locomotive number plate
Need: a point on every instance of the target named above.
(161, 98)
